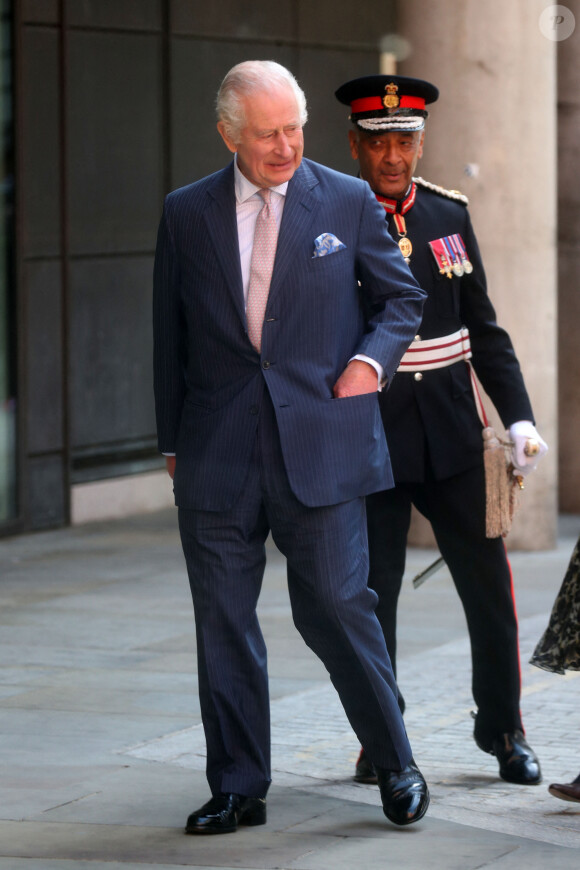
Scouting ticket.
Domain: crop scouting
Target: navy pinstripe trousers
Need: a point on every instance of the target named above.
(333, 609)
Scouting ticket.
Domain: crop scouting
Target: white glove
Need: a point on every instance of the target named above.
(528, 447)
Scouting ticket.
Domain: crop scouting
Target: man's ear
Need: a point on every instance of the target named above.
(353, 141)
(230, 144)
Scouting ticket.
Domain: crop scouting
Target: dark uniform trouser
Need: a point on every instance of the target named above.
(480, 570)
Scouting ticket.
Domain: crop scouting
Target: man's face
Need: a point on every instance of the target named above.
(271, 144)
(387, 160)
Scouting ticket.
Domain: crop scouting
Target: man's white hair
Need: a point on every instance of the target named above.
(247, 79)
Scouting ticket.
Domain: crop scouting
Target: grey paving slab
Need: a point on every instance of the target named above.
(313, 748)
(156, 845)
(407, 849)
(59, 864)
(92, 699)
(28, 791)
(95, 678)
(103, 757)
(139, 795)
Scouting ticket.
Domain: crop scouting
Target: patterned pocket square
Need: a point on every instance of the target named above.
(327, 244)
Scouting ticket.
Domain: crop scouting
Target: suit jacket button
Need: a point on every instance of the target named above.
(418, 376)
(265, 364)
(254, 410)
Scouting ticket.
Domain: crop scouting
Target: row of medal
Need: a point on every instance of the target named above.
(451, 256)
(449, 251)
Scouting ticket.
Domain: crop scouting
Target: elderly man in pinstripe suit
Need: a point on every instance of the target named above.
(276, 427)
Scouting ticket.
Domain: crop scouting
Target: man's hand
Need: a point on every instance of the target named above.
(528, 449)
(358, 377)
(170, 463)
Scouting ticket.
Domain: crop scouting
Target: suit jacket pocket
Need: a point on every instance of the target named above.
(328, 263)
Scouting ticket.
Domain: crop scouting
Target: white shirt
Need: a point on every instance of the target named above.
(248, 205)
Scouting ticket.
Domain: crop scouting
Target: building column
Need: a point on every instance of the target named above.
(492, 135)
(569, 264)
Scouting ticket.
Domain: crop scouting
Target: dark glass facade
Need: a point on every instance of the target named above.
(114, 107)
(8, 394)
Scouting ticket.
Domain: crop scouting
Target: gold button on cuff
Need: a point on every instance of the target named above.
(418, 376)
(417, 338)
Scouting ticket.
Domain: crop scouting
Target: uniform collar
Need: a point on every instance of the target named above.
(399, 206)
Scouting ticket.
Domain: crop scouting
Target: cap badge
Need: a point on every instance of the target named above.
(391, 99)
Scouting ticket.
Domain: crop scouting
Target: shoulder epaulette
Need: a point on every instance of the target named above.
(442, 191)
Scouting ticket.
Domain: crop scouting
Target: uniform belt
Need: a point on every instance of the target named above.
(437, 353)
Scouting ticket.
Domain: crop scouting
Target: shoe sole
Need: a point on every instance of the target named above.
(563, 797)
(250, 820)
(515, 781)
(209, 831)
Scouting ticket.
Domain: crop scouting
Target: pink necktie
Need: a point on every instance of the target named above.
(261, 266)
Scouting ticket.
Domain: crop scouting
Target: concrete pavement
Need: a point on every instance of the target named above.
(102, 750)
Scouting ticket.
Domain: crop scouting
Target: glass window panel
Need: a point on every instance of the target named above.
(8, 504)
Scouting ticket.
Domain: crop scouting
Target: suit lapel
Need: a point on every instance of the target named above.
(221, 222)
(302, 201)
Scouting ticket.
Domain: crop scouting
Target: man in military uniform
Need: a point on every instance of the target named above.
(430, 414)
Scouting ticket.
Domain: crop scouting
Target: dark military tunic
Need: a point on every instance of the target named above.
(434, 419)
(434, 437)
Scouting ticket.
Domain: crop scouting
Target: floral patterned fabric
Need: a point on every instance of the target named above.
(559, 648)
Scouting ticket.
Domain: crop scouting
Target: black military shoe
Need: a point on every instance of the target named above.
(518, 763)
(404, 794)
(224, 812)
(517, 760)
(364, 770)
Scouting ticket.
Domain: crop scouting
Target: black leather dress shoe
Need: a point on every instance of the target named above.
(224, 812)
(365, 770)
(404, 794)
(518, 763)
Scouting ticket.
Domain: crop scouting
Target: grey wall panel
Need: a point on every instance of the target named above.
(350, 24)
(44, 356)
(46, 492)
(120, 160)
(111, 350)
(114, 132)
(40, 11)
(321, 72)
(311, 22)
(39, 151)
(198, 68)
(241, 19)
(138, 14)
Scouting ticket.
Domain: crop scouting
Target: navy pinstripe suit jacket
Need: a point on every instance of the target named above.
(209, 380)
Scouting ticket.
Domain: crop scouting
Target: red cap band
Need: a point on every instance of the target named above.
(412, 103)
(372, 104)
(367, 104)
